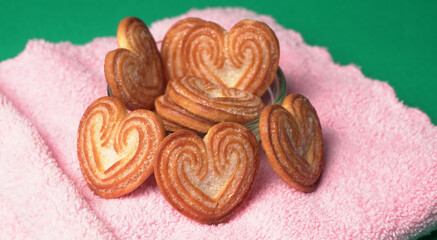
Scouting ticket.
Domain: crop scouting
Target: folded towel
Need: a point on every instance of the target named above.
(379, 180)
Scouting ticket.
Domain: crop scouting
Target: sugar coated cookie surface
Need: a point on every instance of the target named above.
(214, 102)
(134, 71)
(246, 57)
(115, 148)
(171, 47)
(207, 180)
(291, 136)
(172, 112)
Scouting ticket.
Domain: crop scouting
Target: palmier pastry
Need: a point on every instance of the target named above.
(207, 180)
(171, 47)
(168, 110)
(134, 71)
(245, 58)
(115, 148)
(291, 136)
(214, 102)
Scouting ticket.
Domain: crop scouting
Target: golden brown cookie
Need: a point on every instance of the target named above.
(291, 136)
(245, 58)
(171, 48)
(134, 71)
(170, 111)
(116, 149)
(207, 180)
(214, 102)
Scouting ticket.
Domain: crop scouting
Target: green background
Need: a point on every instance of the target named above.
(392, 41)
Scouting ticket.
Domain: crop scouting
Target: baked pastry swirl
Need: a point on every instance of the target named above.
(171, 47)
(214, 102)
(207, 180)
(245, 58)
(115, 148)
(134, 71)
(291, 136)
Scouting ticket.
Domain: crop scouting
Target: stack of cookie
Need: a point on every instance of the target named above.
(204, 80)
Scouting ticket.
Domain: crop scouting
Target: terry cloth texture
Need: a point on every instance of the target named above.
(379, 180)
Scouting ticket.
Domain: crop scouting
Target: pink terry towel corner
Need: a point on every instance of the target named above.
(379, 181)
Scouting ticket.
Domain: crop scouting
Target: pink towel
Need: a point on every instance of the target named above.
(379, 180)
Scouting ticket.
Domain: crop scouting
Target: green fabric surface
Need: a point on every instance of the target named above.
(392, 41)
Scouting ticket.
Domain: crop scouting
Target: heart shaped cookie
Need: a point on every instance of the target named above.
(207, 180)
(245, 58)
(291, 136)
(134, 71)
(116, 149)
(214, 102)
(170, 111)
